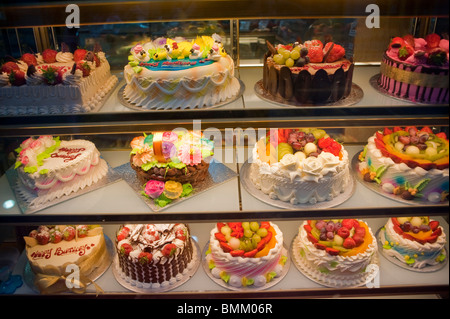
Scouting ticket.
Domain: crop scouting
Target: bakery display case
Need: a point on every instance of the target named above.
(247, 31)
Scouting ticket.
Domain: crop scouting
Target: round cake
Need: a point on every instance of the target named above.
(308, 73)
(180, 74)
(418, 242)
(336, 252)
(416, 69)
(246, 254)
(155, 255)
(52, 251)
(408, 162)
(300, 166)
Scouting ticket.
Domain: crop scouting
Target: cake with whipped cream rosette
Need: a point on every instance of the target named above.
(155, 256)
(417, 242)
(409, 162)
(300, 166)
(55, 82)
(49, 168)
(246, 254)
(51, 249)
(180, 74)
(336, 253)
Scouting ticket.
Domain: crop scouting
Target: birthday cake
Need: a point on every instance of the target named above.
(55, 82)
(180, 74)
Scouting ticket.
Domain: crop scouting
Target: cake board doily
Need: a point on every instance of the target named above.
(258, 194)
(135, 286)
(135, 107)
(24, 198)
(377, 188)
(29, 276)
(337, 281)
(218, 174)
(355, 96)
(273, 282)
(429, 268)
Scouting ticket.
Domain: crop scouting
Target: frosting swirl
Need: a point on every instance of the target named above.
(64, 57)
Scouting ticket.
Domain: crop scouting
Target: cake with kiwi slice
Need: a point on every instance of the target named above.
(300, 166)
(408, 162)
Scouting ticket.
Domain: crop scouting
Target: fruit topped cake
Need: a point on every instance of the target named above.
(408, 162)
(55, 81)
(180, 74)
(246, 254)
(311, 72)
(300, 166)
(416, 69)
(335, 252)
(418, 242)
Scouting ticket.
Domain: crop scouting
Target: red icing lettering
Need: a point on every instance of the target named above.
(68, 154)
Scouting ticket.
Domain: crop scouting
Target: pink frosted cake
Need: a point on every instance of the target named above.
(416, 69)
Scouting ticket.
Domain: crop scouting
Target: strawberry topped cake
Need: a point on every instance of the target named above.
(408, 162)
(246, 254)
(55, 81)
(416, 69)
(307, 73)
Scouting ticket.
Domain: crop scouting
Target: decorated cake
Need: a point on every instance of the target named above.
(418, 242)
(336, 252)
(49, 168)
(416, 69)
(55, 82)
(307, 73)
(300, 166)
(408, 162)
(169, 164)
(155, 255)
(180, 74)
(246, 254)
(53, 251)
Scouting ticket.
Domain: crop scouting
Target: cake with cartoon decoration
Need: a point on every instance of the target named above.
(55, 82)
(416, 69)
(180, 74)
(407, 162)
(246, 254)
(417, 242)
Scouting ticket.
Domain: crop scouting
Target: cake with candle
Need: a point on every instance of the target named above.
(180, 74)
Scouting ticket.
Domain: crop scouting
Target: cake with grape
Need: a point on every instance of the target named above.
(307, 73)
(336, 252)
(300, 166)
(155, 256)
(180, 74)
(246, 254)
(407, 162)
(417, 242)
(416, 69)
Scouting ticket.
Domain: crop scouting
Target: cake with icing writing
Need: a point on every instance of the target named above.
(50, 168)
(336, 252)
(307, 73)
(300, 166)
(53, 252)
(55, 82)
(180, 74)
(408, 162)
(417, 242)
(155, 256)
(416, 69)
(246, 254)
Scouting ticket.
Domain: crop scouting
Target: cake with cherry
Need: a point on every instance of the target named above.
(246, 254)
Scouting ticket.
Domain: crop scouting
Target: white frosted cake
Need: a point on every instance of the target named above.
(180, 74)
(55, 82)
(304, 166)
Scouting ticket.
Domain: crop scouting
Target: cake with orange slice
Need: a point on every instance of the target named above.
(408, 162)
(336, 252)
(246, 254)
(418, 241)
